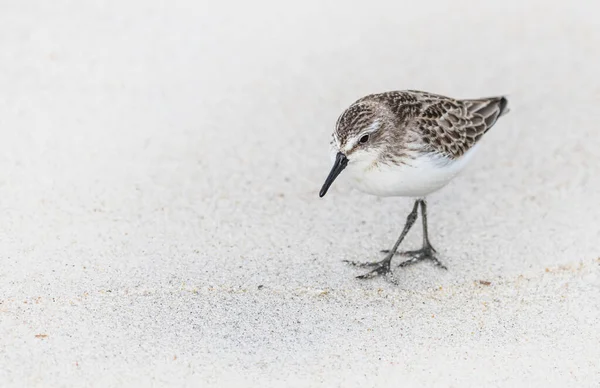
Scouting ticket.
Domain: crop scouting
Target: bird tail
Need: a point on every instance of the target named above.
(490, 108)
(503, 106)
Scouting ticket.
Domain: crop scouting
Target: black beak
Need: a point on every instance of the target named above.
(340, 163)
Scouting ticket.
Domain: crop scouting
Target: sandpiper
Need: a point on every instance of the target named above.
(408, 144)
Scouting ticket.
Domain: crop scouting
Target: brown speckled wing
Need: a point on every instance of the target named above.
(451, 127)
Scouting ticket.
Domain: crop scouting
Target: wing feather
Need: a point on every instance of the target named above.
(451, 127)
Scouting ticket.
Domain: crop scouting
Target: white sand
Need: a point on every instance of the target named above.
(159, 163)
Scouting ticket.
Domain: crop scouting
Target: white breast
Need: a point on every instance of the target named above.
(417, 178)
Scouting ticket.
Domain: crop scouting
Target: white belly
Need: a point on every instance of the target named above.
(418, 178)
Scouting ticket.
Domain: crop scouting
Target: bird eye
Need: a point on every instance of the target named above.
(364, 139)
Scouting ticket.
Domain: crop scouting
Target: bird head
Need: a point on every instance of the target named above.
(358, 138)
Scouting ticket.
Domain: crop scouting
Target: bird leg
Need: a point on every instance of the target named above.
(383, 267)
(427, 252)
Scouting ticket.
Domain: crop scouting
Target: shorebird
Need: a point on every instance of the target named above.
(408, 144)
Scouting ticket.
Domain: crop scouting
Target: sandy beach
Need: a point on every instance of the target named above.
(160, 223)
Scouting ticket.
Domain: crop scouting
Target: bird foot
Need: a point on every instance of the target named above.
(382, 268)
(425, 253)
